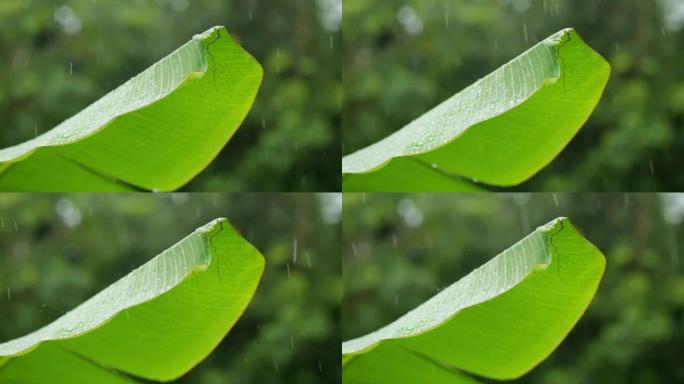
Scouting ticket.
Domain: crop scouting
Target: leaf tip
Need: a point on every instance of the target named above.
(553, 225)
(210, 33)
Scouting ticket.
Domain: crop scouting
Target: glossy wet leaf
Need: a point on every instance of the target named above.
(498, 322)
(155, 132)
(157, 322)
(499, 131)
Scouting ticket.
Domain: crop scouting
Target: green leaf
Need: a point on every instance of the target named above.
(498, 322)
(155, 132)
(501, 130)
(156, 323)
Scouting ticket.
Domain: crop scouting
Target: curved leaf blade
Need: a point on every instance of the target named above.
(155, 132)
(498, 322)
(157, 322)
(507, 126)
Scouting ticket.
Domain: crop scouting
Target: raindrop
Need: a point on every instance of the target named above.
(71, 68)
(320, 366)
(651, 166)
(527, 38)
(16, 228)
(626, 197)
(555, 200)
(294, 250)
(9, 294)
(289, 274)
(354, 251)
(363, 197)
(292, 343)
(308, 259)
(332, 42)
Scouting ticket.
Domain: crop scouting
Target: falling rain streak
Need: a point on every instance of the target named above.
(294, 251)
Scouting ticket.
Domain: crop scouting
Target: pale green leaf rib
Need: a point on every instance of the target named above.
(504, 128)
(499, 321)
(157, 322)
(392, 178)
(156, 131)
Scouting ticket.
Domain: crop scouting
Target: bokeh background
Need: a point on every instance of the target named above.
(400, 250)
(403, 57)
(56, 57)
(58, 250)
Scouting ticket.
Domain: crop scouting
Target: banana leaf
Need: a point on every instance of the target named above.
(156, 323)
(498, 322)
(500, 131)
(155, 132)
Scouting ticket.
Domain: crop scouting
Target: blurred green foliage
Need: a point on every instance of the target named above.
(58, 250)
(59, 56)
(399, 250)
(403, 57)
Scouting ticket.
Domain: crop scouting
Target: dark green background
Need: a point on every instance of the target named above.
(395, 71)
(399, 250)
(51, 261)
(291, 138)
